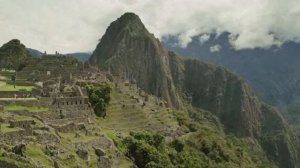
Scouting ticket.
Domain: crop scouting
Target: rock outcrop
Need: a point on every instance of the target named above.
(129, 50)
(20, 150)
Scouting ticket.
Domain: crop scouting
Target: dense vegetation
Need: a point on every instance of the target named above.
(204, 148)
(204, 144)
(99, 98)
(13, 55)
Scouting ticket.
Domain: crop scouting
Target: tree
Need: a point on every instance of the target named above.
(99, 98)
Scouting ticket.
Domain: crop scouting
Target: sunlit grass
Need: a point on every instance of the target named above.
(6, 128)
(25, 108)
(11, 88)
(19, 99)
(38, 156)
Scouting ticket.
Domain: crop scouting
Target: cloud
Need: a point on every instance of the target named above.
(204, 38)
(215, 48)
(77, 25)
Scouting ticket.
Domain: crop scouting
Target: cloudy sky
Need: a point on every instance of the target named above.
(77, 25)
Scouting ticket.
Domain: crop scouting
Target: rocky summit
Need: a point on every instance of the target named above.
(133, 104)
(129, 50)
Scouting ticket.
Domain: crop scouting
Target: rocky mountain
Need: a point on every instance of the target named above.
(273, 72)
(13, 55)
(127, 49)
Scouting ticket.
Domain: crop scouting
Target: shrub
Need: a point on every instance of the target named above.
(99, 98)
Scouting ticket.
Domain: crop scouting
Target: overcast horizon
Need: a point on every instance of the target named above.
(76, 26)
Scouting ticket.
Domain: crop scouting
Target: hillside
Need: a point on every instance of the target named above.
(13, 55)
(272, 72)
(127, 49)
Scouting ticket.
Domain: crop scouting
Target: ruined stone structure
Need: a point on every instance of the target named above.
(51, 66)
(71, 107)
(25, 124)
(69, 127)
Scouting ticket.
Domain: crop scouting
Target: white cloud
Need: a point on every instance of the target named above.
(215, 48)
(204, 38)
(186, 37)
(77, 25)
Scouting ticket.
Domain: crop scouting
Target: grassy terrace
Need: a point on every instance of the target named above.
(11, 88)
(25, 108)
(6, 128)
(19, 99)
(129, 118)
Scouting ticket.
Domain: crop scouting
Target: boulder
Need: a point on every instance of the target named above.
(56, 164)
(88, 133)
(104, 162)
(20, 150)
(83, 154)
(77, 135)
(99, 152)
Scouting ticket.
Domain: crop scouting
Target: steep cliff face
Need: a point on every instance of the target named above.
(13, 55)
(128, 49)
(217, 90)
(225, 95)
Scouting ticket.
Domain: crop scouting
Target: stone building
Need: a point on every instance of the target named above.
(71, 107)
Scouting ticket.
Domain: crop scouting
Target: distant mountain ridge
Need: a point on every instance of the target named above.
(127, 49)
(273, 73)
(82, 56)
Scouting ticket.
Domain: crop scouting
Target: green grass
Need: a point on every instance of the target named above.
(151, 117)
(38, 156)
(5, 128)
(19, 99)
(14, 161)
(11, 88)
(25, 108)
(82, 138)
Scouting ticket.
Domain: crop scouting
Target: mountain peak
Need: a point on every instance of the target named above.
(129, 16)
(128, 22)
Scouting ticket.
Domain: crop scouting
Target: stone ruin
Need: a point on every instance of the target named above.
(69, 127)
(25, 124)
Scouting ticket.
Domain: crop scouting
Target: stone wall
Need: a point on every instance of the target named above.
(4, 164)
(19, 102)
(67, 120)
(11, 94)
(69, 127)
(15, 136)
(26, 124)
(71, 107)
